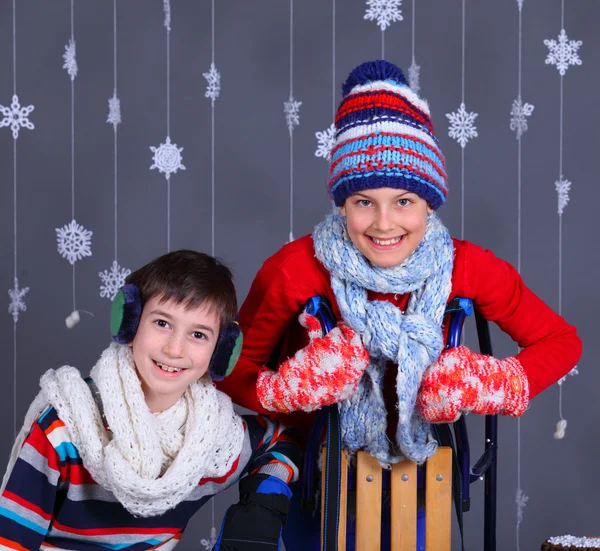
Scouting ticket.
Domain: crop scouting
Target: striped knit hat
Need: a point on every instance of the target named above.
(384, 138)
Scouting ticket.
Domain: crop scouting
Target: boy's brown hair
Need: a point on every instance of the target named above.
(191, 278)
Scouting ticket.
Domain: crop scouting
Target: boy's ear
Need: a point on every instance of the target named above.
(125, 314)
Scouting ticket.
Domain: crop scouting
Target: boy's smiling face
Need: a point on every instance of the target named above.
(172, 349)
(386, 224)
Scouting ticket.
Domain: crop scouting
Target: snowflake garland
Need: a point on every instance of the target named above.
(16, 116)
(113, 279)
(17, 302)
(414, 72)
(114, 111)
(326, 141)
(210, 542)
(518, 113)
(74, 241)
(167, 158)
(291, 109)
(573, 372)
(70, 61)
(167, 9)
(563, 52)
(521, 500)
(385, 12)
(213, 78)
(462, 125)
(563, 187)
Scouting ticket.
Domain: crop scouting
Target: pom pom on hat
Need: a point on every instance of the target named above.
(371, 71)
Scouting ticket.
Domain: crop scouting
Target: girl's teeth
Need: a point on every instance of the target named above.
(386, 241)
(168, 369)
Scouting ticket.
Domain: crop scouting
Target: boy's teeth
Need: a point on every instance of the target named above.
(168, 368)
(386, 241)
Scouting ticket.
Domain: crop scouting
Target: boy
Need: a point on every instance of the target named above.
(124, 459)
(389, 267)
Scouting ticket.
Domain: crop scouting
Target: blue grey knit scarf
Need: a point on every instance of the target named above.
(412, 339)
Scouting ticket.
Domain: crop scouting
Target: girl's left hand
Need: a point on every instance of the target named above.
(464, 381)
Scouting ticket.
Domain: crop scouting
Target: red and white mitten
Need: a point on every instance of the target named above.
(326, 371)
(464, 381)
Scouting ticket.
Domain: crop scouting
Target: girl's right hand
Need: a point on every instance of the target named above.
(324, 372)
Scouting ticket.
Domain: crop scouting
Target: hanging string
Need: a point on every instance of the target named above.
(462, 152)
(73, 144)
(212, 141)
(334, 87)
(115, 125)
(169, 128)
(563, 53)
(15, 224)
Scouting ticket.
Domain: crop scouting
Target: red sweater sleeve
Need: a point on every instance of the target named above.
(277, 295)
(550, 346)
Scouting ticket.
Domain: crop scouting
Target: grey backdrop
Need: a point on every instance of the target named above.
(252, 179)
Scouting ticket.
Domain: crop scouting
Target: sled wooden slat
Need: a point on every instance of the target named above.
(368, 503)
(404, 506)
(438, 500)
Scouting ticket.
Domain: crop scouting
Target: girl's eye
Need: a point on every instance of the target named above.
(364, 202)
(198, 335)
(161, 323)
(404, 202)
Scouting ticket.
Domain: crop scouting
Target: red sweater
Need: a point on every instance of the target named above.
(268, 317)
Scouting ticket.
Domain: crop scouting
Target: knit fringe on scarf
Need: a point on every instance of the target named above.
(412, 339)
(150, 462)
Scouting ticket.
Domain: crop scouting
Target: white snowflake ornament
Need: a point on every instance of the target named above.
(574, 371)
(563, 52)
(520, 4)
(462, 125)
(16, 116)
(521, 501)
(70, 61)
(74, 242)
(326, 141)
(17, 302)
(209, 543)
(112, 280)
(414, 72)
(213, 78)
(167, 158)
(518, 113)
(563, 187)
(291, 109)
(114, 111)
(385, 12)
(167, 10)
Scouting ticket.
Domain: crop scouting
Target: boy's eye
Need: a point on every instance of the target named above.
(198, 335)
(404, 202)
(161, 323)
(364, 202)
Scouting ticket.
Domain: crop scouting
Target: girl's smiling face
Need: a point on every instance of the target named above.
(386, 224)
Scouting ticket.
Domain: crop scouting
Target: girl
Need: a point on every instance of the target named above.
(389, 267)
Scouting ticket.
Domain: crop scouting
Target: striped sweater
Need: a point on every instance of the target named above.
(51, 502)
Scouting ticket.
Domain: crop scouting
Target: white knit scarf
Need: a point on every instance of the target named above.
(150, 462)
